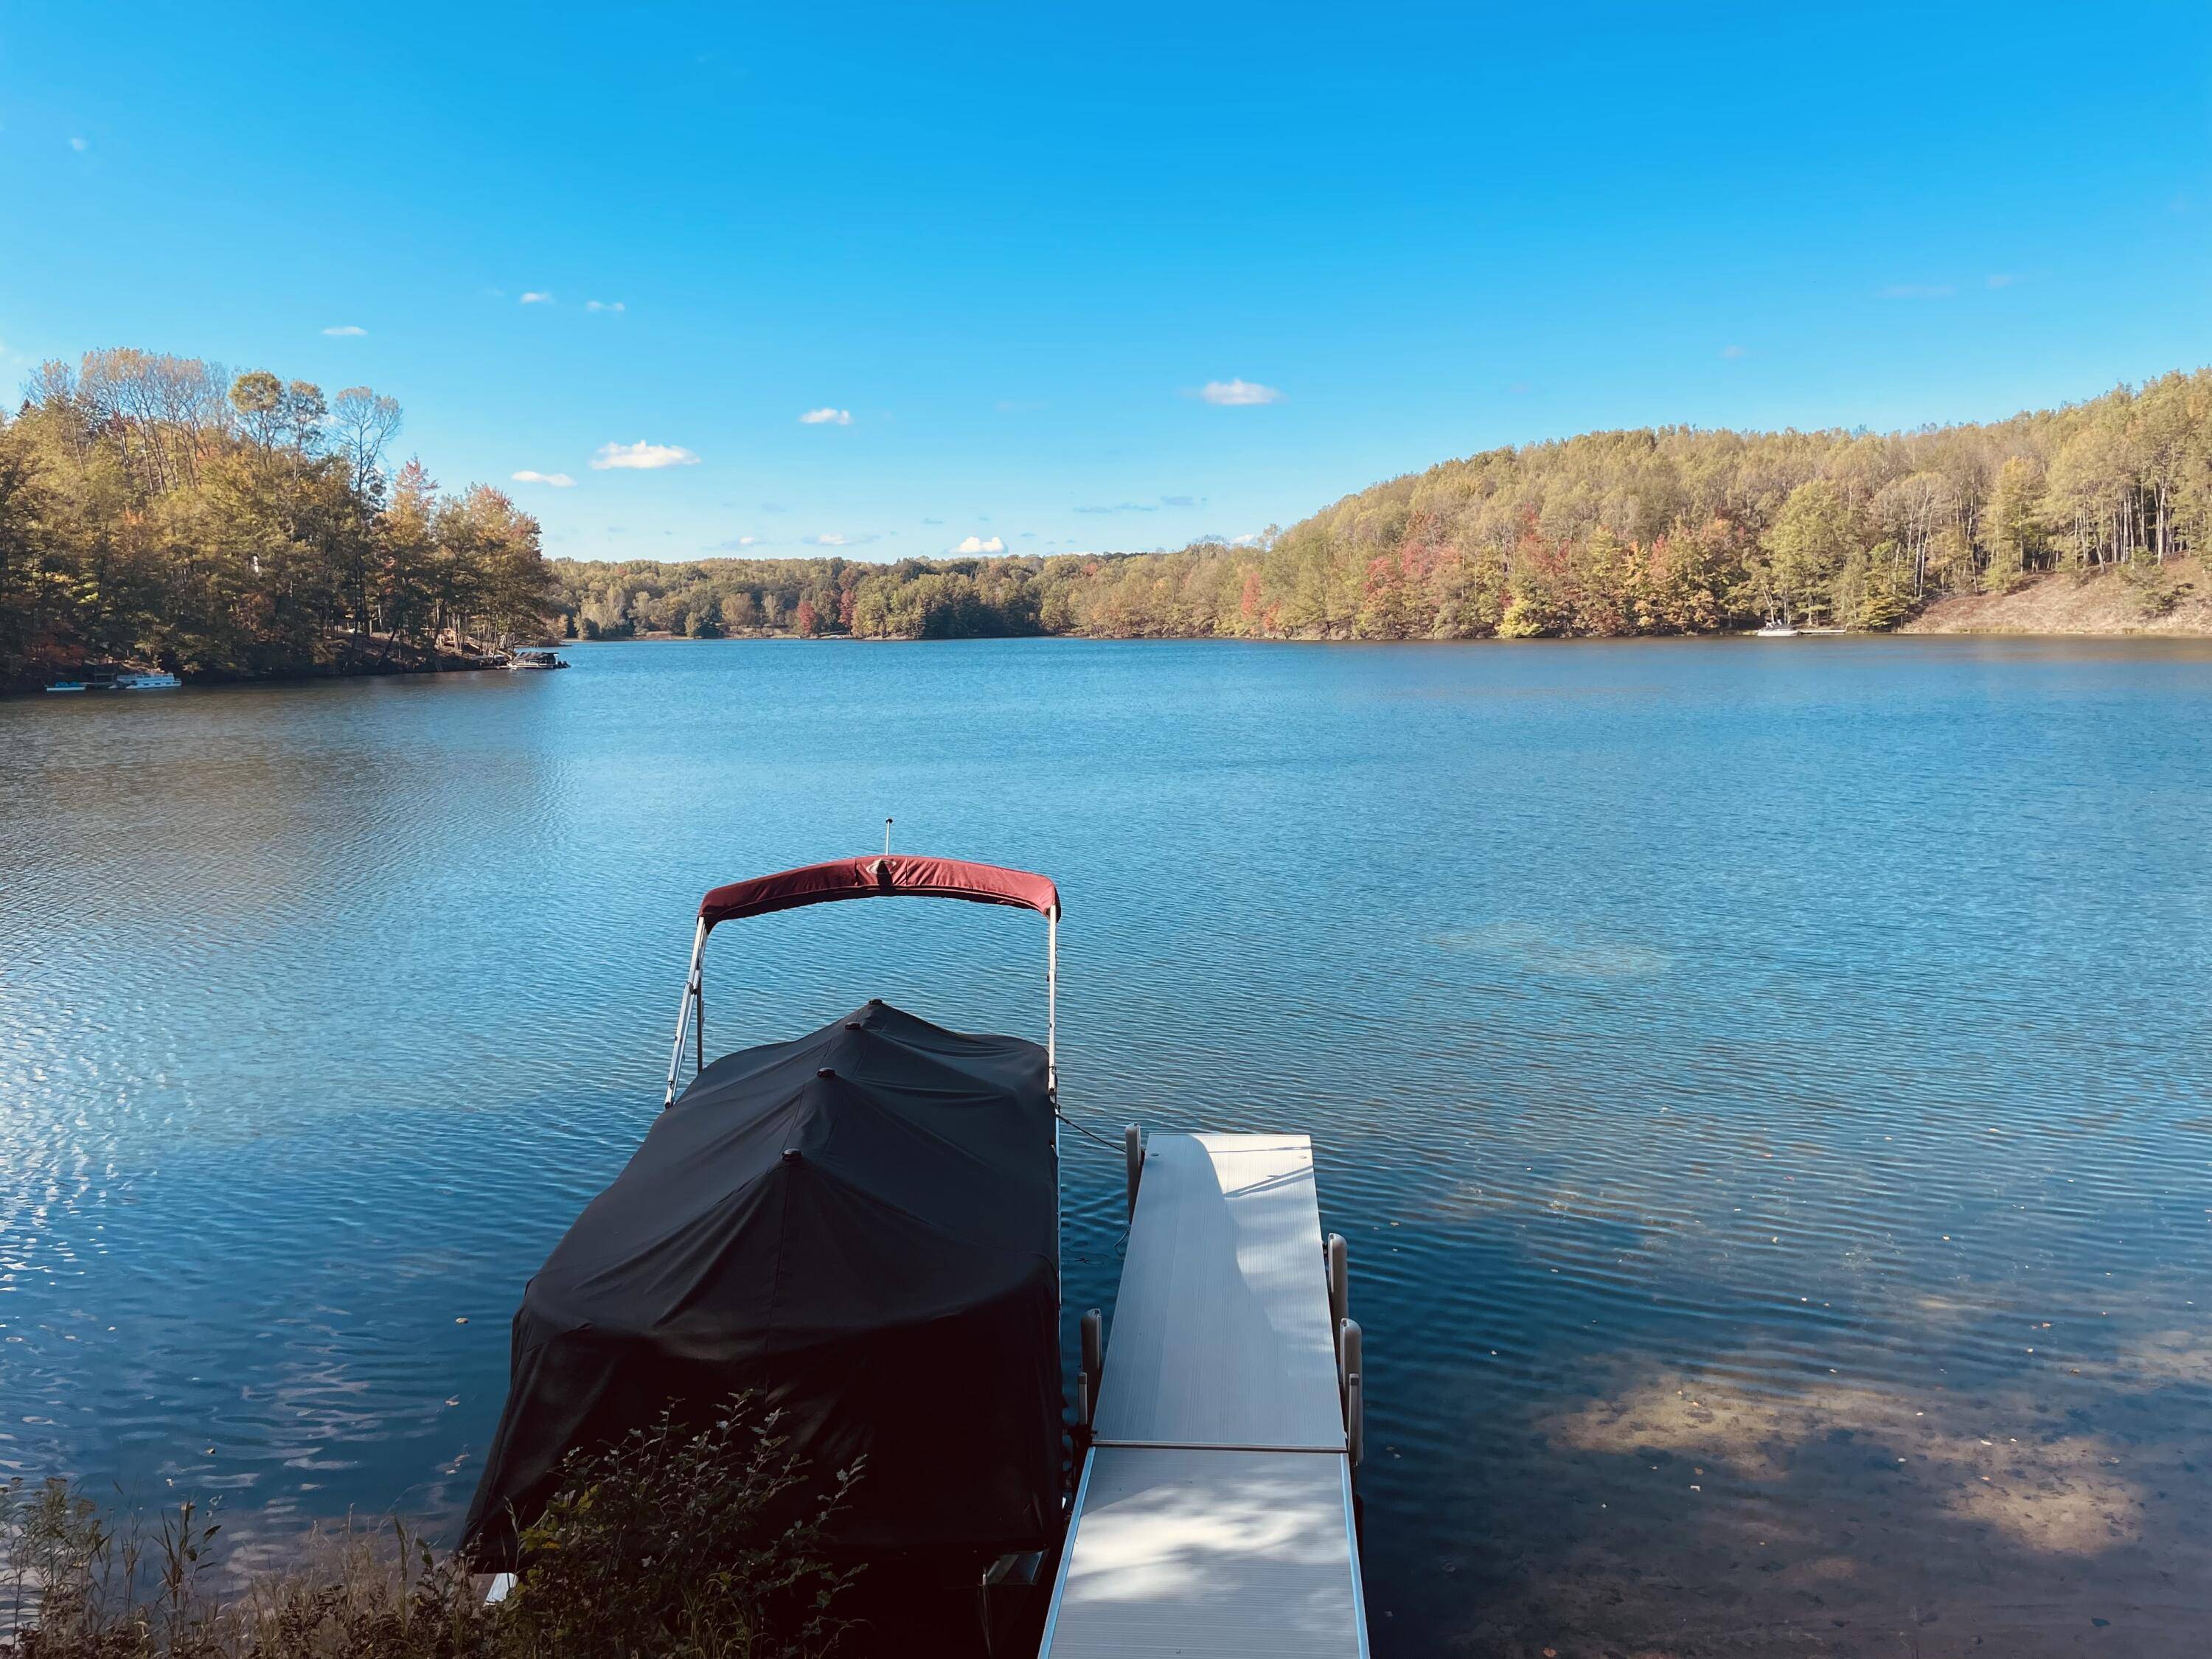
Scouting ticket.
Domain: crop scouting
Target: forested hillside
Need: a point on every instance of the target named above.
(153, 508)
(1647, 531)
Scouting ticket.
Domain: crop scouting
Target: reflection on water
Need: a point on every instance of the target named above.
(1765, 1089)
(1581, 949)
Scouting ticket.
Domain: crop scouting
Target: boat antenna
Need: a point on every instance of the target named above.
(887, 837)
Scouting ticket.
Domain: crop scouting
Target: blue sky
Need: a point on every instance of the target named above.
(1010, 248)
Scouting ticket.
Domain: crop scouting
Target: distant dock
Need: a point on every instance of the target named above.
(1214, 1518)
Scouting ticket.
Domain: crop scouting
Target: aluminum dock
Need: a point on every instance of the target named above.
(1214, 1518)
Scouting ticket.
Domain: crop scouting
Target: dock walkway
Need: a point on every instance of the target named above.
(1215, 1516)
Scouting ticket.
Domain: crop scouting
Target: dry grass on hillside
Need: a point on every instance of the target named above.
(2172, 598)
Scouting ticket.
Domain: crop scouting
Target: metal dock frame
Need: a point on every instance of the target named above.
(1214, 1518)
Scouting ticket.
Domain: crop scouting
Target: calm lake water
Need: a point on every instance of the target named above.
(1767, 1088)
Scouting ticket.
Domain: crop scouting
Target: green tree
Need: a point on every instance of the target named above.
(2012, 526)
(1815, 534)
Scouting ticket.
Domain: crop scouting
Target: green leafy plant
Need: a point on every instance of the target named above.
(675, 1543)
(695, 1545)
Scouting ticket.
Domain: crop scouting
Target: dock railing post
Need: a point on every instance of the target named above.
(1094, 1357)
(1349, 1361)
(1355, 1438)
(1339, 1290)
(1133, 1152)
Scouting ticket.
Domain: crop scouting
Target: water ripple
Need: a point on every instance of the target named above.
(1762, 1089)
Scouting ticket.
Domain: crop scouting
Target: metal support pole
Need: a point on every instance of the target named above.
(1355, 1434)
(1350, 1357)
(1052, 1093)
(691, 991)
(1133, 1154)
(1052, 1001)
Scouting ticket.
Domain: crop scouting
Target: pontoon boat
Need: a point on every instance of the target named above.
(859, 1227)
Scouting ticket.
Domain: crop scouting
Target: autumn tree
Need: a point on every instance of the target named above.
(153, 508)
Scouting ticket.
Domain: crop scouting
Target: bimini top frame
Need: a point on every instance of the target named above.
(886, 875)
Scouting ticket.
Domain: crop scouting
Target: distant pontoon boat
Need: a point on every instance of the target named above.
(535, 659)
(103, 678)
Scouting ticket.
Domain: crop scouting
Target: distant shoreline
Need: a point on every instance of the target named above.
(2147, 602)
(376, 659)
(2172, 600)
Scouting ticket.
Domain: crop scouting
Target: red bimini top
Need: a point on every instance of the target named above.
(883, 875)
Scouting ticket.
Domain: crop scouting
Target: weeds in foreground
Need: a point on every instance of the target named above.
(674, 1542)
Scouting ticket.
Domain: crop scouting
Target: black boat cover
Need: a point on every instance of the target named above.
(860, 1226)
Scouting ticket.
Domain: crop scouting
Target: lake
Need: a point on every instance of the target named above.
(1766, 1086)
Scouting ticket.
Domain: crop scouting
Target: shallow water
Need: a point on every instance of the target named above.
(1767, 1087)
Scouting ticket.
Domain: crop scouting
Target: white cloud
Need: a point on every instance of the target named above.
(558, 480)
(833, 538)
(604, 305)
(1731, 352)
(1252, 540)
(2004, 278)
(537, 297)
(1238, 394)
(981, 544)
(826, 417)
(79, 145)
(345, 331)
(749, 540)
(1916, 291)
(641, 457)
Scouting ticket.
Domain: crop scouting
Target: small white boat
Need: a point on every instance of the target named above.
(1777, 631)
(102, 676)
(535, 659)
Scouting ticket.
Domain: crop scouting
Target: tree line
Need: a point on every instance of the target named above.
(153, 508)
(1668, 530)
(710, 599)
